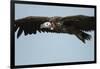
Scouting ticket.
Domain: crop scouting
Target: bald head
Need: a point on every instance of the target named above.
(53, 23)
(47, 25)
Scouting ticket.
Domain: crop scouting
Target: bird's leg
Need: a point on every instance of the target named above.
(79, 34)
(83, 36)
(80, 37)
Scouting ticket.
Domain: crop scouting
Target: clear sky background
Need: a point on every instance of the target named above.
(45, 48)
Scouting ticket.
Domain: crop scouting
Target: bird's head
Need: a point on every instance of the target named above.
(52, 24)
(47, 25)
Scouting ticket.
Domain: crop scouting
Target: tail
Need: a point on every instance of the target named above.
(83, 36)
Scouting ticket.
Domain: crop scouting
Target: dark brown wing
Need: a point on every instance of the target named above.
(77, 25)
(30, 25)
(85, 23)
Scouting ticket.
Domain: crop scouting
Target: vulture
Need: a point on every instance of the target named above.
(76, 25)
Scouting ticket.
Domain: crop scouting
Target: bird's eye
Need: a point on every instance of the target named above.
(47, 24)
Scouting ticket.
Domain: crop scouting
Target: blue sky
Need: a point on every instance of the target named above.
(51, 47)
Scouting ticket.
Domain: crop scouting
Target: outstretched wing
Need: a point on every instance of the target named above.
(70, 24)
(84, 23)
(77, 25)
(29, 25)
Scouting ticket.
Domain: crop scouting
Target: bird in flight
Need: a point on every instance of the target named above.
(76, 25)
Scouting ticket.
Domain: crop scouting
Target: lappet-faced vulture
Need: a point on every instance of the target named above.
(77, 25)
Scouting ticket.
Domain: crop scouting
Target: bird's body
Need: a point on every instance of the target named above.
(75, 25)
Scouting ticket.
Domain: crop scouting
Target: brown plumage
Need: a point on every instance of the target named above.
(76, 25)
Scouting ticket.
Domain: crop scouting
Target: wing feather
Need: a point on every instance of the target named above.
(85, 23)
(29, 25)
